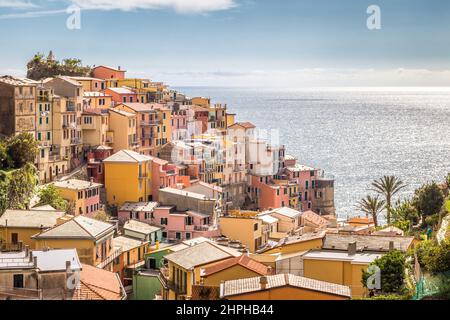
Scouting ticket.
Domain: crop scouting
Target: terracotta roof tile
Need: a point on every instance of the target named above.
(243, 260)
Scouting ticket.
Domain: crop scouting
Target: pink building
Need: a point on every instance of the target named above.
(184, 225)
(141, 211)
(122, 95)
(104, 72)
(164, 175)
(266, 195)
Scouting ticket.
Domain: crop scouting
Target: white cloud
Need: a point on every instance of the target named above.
(16, 4)
(308, 77)
(181, 6)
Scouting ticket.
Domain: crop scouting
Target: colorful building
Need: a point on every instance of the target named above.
(84, 195)
(283, 287)
(105, 72)
(18, 226)
(128, 178)
(122, 133)
(92, 239)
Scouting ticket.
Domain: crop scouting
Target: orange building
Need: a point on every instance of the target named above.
(105, 72)
(283, 287)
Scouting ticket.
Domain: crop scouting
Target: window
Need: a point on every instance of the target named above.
(255, 227)
(178, 235)
(164, 235)
(312, 184)
(18, 280)
(164, 221)
(124, 99)
(43, 153)
(306, 185)
(188, 235)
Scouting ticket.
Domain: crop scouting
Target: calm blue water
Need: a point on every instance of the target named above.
(356, 135)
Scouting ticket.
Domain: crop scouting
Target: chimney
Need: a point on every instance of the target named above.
(35, 261)
(27, 250)
(263, 282)
(118, 68)
(68, 268)
(352, 248)
(391, 245)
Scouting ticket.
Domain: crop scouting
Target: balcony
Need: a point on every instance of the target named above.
(113, 255)
(11, 247)
(150, 123)
(75, 141)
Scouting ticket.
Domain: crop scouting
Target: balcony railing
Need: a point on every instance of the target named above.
(150, 123)
(11, 247)
(113, 255)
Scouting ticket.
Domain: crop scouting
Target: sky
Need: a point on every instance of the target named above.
(303, 43)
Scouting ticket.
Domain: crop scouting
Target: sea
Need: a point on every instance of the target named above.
(356, 135)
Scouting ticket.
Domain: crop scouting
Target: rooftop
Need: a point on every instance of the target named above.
(197, 255)
(127, 243)
(89, 94)
(121, 90)
(358, 258)
(79, 227)
(285, 211)
(366, 242)
(127, 156)
(98, 284)
(185, 193)
(139, 206)
(243, 261)
(143, 107)
(55, 260)
(30, 218)
(243, 286)
(123, 113)
(314, 218)
(299, 168)
(302, 238)
(140, 227)
(75, 184)
(18, 82)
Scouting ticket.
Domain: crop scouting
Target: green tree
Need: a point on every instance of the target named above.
(22, 149)
(434, 257)
(388, 186)
(428, 200)
(372, 206)
(39, 67)
(5, 159)
(22, 183)
(4, 185)
(50, 195)
(392, 267)
(404, 215)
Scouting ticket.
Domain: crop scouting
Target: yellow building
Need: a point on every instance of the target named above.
(95, 125)
(91, 84)
(127, 177)
(154, 125)
(282, 287)
(83, 195)
(298, 243)
(339, 267)
(18, 226)
(250, 231)
(93, 239)
(185, 268)
(93, 99)
(122, 130)
(201, 101)
(132, 257)
(232, 268)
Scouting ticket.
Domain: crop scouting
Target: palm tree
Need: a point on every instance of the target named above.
(388, 186)
(372, 206)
